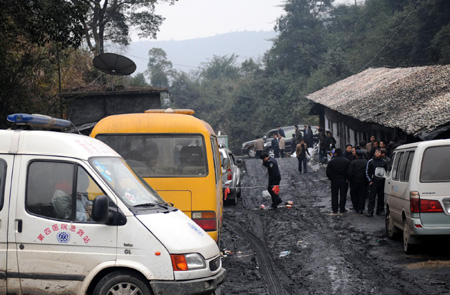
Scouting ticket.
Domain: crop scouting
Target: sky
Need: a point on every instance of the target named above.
(190, 19)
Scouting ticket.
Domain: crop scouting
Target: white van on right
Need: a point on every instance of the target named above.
(417, 191)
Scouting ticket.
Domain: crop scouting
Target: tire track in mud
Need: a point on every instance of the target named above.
(348, 264)
(266, 266)
(334, 256)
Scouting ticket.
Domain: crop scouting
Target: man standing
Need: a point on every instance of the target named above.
(274, 179)
(369, 145)
(301, 150)
(349, 152)
(281, 145)
(322, 149)
(281, 132)
(358, 181)
(308, 135)
(275, 146)
(375, 171)
(259, 147)
(298, 135)
(337, 172)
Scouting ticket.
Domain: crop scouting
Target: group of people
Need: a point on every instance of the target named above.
(300, 143)
(363, 167)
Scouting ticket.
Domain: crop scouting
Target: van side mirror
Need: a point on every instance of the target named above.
(100, 209)
(264, 137)
(239, 161)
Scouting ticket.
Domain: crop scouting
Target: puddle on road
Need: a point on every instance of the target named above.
(428, 264)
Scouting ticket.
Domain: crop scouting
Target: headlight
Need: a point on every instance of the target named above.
(243, 145)
(183, 262)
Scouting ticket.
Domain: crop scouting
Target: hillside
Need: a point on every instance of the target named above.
(187, 55)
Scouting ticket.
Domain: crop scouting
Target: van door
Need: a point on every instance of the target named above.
(57, 244)
(6, 164)
(394, 189)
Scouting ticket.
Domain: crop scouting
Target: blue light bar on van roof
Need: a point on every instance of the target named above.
(38, 121)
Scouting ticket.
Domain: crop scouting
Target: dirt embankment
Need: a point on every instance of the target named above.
(304, 250)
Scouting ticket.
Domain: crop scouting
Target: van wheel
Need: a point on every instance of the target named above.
(122, 282)
(407, 246)
(251, 152)
(391, 231)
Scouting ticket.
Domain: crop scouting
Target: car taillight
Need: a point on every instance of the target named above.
(229, 174)
(205, 219)
(423, 206)
(414, 199)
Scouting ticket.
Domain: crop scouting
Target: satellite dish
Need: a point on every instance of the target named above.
(114, 64)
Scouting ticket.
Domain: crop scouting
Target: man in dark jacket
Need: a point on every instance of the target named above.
(274, 179)
(358, 181)
(375, 170)
(298, 135)
(275, 146)
(337, 172)
(322, 149)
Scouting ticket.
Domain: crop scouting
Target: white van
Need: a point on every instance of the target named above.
(75, 219)
(417, 191)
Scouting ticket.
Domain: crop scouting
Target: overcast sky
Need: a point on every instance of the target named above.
(190, 19)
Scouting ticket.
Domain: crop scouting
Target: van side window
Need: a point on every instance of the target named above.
(408, 165)
(60, 190)
(402, 166)
(2, 182)
(435, 164)
(395, 167)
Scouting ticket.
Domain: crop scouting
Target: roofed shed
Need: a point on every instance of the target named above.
(415, 100)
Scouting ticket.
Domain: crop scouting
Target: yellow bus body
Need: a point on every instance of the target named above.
(198, 194)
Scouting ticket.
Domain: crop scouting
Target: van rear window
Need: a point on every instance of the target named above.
(161, 155)
(435, 164)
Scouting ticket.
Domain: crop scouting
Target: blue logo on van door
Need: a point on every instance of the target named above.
(63, 237)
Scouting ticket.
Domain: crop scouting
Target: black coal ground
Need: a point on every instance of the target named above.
(346, 254)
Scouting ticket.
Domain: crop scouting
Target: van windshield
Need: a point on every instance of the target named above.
(161, 155)
(131, 189)
(435, 164)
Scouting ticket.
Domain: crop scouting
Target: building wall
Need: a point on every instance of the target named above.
(92, 107)
(347, 130)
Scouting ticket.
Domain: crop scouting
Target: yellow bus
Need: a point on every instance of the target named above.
(175, 153)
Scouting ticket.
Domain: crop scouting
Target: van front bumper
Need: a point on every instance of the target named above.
(198, 286)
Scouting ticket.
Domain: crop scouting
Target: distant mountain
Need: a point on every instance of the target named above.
(187, 55)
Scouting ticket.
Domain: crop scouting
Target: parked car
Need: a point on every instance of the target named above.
(231, 176)
(417, 192)
(248, 148)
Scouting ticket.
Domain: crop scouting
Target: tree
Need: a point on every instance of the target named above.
(300, 42)
(32, 33)
(138, 80)
(45, 21)
(159, 68)
(112, 20)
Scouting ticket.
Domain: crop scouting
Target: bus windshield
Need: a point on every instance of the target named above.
(161, 155)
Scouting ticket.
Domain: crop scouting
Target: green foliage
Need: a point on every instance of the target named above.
(318, 44)
(159, 69)
(138, 80)
(112, 21)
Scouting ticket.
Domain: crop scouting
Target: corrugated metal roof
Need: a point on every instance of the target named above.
(416, 99)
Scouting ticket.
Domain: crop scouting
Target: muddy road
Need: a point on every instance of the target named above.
(304, 250)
